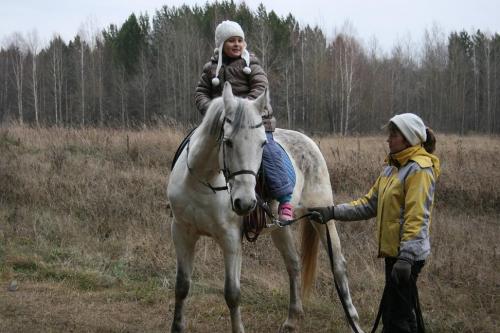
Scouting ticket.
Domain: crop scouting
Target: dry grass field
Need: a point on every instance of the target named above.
(85, 232)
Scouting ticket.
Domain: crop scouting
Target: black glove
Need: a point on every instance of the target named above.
(322, 214)
(401, 271)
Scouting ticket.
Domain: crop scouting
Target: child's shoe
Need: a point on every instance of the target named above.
(285, 211)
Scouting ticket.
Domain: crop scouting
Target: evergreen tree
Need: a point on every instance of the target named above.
(145, 71)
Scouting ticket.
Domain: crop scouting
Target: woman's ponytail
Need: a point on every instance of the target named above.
(430, 143)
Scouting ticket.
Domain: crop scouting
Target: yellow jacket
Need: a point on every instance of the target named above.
(402, 200)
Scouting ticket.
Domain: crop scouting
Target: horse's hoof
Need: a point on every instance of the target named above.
(287, 328)
(177, 328)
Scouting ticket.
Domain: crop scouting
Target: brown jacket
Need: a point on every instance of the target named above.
(244, 85)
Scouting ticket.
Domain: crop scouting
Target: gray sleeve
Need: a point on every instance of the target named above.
(361, 209)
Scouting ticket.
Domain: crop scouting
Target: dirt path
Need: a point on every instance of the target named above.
(52, 307)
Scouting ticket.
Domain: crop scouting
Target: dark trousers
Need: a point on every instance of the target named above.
(398, 311)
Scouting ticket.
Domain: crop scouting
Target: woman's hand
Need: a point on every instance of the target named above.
(401, 271)
(322, 214)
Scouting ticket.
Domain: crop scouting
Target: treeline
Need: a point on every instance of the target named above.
(145, 71)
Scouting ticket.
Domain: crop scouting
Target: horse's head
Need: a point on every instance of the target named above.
(243, 143)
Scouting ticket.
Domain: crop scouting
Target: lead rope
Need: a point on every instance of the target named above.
(344, 305)
(420, 322)
(415, 303)
(280, 223)
(418, 310)
(379, 313)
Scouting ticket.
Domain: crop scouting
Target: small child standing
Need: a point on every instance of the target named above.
(232, 62)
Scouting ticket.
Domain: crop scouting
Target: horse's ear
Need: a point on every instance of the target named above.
(227, 95)
(262, 102)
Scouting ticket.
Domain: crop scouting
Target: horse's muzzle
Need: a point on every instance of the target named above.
(244, 207)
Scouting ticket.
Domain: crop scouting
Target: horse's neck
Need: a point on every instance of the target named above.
(203, 155)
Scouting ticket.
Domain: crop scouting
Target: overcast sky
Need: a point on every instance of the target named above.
(388, 21)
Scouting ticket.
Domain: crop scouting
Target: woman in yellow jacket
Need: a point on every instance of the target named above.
(401, 200)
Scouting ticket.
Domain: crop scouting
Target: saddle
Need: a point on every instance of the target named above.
(181, 147)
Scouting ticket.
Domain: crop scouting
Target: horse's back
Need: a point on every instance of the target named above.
(313, 180)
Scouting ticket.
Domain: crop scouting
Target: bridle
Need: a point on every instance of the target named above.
(214, 189)
(228, 175)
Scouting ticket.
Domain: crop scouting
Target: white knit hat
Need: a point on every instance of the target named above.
(411, 126)
(224, 31)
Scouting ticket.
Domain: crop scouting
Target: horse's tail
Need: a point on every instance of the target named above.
(309, 250)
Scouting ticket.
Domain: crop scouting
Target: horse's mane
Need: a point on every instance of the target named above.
(240, 117)
(215, 115)
(212, 120)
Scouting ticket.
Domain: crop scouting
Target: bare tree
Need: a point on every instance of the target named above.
(287, 95)
(489, 112)
(303, 64)
(346, 49)
(17, 52)
(144, 78)
(83, 34)
(56, 59)
(87, 33)
(263, 37)
(121, 86)
(99, 54)
(433, 67)
(33, 48)
(290, 75)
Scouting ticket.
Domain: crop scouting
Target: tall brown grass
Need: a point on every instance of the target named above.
(85, 229)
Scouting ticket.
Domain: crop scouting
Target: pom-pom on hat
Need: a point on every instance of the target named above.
(411, 126)
(224, 31)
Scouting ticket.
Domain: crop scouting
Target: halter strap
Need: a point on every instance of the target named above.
(241, 172)
(228, 174)
(225, 171)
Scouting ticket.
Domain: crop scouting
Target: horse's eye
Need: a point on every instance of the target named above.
(228, 143)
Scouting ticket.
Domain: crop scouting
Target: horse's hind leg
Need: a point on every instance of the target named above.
(284, 241)
(340, 270)
(184, 248)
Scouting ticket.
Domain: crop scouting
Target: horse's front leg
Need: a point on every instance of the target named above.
(184, 242)
(231, 247)
(283, 240)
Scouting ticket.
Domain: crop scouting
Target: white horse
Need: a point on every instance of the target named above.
(231, 139)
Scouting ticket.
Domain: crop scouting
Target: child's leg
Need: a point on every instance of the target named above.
(285, 208)
(276, 177)
(279, 176)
